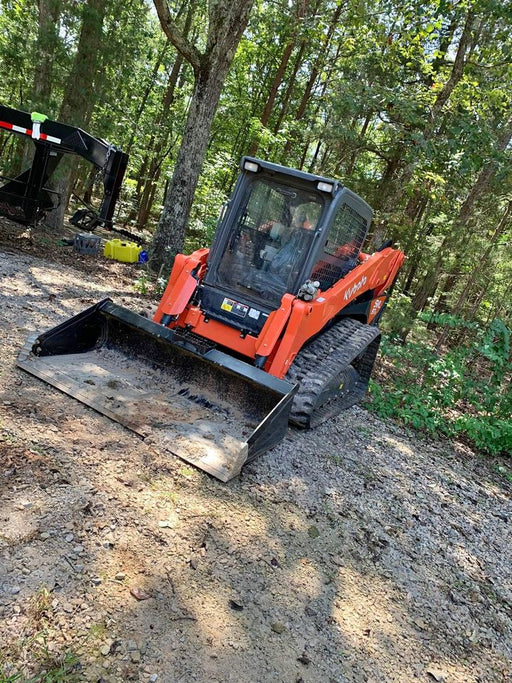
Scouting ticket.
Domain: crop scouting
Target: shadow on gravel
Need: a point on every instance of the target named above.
(271, 589)
(34, 292)
(366, 567)
(355, 552)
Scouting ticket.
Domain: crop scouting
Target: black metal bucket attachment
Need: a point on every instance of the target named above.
(210, 409)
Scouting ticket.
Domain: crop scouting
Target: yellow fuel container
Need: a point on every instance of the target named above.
(127, 252)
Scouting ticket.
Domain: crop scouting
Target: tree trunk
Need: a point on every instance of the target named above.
(392, 194)
(484, 177)
(464, 296)
(459, 234)
(89, 184)
(78, 102)
(170, 235)
(150, 168)
(147, 92)
(315, 72)
(47, 40)
(386, 185)
(227, 20)
(301, 7)
(148, 193)
(362, 133)
(448, 287)
(278, 79)
(475, 274)
(289, 90)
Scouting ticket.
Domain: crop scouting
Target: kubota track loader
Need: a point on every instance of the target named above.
(276, 322)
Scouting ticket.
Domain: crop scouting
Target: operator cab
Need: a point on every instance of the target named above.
(275, 236)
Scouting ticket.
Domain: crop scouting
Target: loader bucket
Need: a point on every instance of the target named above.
(209, 408)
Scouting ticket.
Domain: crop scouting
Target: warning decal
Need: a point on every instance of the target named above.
(234, 307)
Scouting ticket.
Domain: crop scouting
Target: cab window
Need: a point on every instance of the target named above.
(346, 237)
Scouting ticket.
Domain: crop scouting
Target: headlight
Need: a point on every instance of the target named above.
(251, 166)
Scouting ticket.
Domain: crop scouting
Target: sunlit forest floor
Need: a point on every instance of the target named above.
(356, 552)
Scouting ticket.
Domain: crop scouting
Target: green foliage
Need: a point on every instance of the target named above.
(142, 283)
(55, 667)
(495, 346)
(6, 677)
(465, 393)
(400, 315)
(488, 433)
(39, 651)
(448, 320)
(208, 203)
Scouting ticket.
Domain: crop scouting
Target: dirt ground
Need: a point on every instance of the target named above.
(355, 552)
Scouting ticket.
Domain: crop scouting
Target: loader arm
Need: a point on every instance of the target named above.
(187, 272)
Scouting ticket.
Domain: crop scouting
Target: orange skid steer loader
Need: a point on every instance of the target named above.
(277, 322)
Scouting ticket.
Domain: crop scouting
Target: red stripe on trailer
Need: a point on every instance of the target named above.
(16, 129)
(27, 131)
(50, 138)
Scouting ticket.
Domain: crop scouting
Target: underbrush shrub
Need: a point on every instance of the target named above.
(487, 433)
(464, 392)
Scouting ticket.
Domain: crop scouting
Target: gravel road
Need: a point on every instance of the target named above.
(355, 552)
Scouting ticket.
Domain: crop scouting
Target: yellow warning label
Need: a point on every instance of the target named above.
(227, 305)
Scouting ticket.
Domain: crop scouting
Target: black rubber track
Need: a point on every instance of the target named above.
(333, 371)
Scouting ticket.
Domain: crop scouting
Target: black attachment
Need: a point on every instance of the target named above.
(213, 410)
(26, 198)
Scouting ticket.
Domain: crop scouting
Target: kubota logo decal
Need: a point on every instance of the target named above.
(349, 293)
(376, 306)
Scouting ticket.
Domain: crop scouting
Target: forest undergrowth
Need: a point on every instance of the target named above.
(460, 389)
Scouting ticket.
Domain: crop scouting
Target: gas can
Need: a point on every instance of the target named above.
(127, 252)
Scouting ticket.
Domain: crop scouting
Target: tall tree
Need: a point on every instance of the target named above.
(227, 20)
(291, 39)
(316, 69)
(47, 40)
(78, 102)
(460, 238)
(394, 185)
